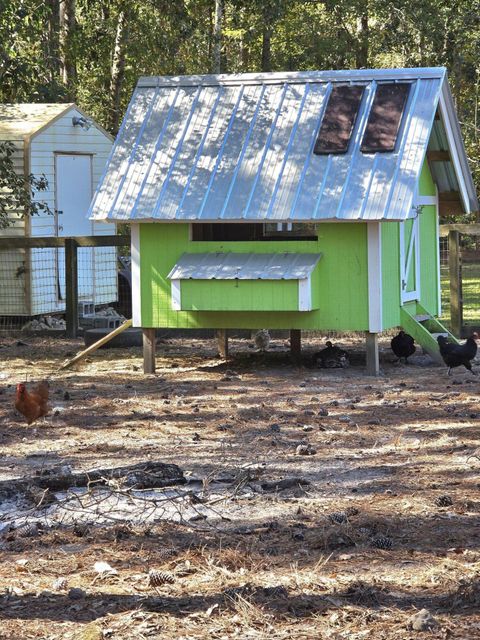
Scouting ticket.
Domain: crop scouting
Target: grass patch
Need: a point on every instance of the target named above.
(471, 292)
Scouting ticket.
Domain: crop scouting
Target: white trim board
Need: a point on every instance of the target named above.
(305, 294)
(176, 294)
(136, 291)
(452, 145)
(439, 279)
(375, 296)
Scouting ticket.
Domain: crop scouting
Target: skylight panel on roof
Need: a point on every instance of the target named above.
(385, 117)
(339, 119)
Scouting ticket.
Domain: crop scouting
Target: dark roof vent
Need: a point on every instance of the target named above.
(339, 119)
(385, 116)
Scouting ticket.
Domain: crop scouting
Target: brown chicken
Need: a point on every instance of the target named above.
(32, 404)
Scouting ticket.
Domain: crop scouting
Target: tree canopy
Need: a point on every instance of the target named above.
(93, 51)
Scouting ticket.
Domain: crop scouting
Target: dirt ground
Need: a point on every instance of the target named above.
(381, 518)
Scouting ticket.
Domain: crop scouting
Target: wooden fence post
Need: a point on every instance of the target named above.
(71, 287)
(454, 268)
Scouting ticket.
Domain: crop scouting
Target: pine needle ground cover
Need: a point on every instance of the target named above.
(372, 534)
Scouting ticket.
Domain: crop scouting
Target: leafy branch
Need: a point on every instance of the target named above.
(17, 192)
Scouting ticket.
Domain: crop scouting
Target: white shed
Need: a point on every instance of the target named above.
(49, 139)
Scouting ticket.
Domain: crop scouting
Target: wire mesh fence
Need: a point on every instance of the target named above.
(35, 275)
(468, 269)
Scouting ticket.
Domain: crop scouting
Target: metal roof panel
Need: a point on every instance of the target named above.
(244, 266)
(240, 147)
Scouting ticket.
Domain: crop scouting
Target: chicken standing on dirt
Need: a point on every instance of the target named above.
(403, 345)
(331, 357)
(262, 340)
(455, 355)
(32, 404)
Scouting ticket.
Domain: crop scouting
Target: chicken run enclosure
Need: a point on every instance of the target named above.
(91, 298)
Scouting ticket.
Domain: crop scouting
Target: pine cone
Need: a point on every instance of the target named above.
(382, 542)
(338, 517)
(27, 530)
(443, 501)
(351, 511)
(159, 578)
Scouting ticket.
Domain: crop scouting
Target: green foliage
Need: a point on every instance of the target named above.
(16, 193)
(170, 38)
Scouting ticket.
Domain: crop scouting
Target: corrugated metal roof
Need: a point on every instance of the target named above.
(244, 266)
(24, 119)
(235, 148)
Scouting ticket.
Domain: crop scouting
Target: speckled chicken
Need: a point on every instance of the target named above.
(262, 340)
(332, 357)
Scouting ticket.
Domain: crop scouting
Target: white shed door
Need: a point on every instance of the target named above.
(73, 180)
(410, 260)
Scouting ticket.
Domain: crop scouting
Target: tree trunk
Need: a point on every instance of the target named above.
(68, 63)
(217, 37)
(52, 43)
(361, 58)
(118, 67)
(266, 48)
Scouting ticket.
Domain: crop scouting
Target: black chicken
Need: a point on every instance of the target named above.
(454, 355)
(403, 345)
(332, 357)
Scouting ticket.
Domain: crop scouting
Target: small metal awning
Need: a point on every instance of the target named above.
(244, 266)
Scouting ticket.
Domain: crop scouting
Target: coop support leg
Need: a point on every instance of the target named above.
(222, 343)
(148, 350)
(373, 361)
(295, 343)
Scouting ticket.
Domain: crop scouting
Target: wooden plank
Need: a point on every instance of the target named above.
(296, 343)
(71, 288)
(96, 345)
(82, 241)
(222, 342)
(439, 156)
(454, 268)
(148, 350)
(468, 229)
(373, 360)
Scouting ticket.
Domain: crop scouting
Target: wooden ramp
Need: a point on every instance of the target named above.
(425, 329)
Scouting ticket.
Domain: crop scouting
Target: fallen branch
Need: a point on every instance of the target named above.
(144, 475)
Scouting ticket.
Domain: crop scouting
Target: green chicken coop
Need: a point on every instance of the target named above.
(306, 200)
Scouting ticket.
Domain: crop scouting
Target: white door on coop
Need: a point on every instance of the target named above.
(73, 177)
(410, 260)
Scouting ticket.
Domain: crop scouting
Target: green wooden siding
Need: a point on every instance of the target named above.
(339, 283)
(239, 295)
(391, 274)
(426, 185)
(429, 275)
(428, 260)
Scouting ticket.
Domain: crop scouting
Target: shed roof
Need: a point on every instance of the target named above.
(244, 266)
(18, 121)
(240, 148)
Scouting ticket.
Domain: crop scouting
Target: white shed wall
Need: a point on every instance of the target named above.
(62, 137)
